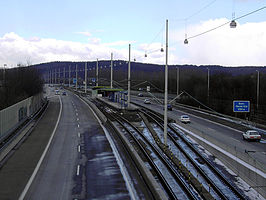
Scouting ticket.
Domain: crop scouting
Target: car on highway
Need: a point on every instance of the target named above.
(140, 95)
(169, 107)
(57, 92)
(252, 135)
(185, 119)
(147, 101)
(64, 93)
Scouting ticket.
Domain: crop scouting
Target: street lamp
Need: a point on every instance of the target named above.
(208, 94)
(258, 88)
(166, 86)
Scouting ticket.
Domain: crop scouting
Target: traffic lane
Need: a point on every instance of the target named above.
(103, 178)
(15, 174)
(54, 179)
(220, 133)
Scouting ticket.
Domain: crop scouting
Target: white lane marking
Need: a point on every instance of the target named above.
(78, 168)
(24, 192)
(78, 125)
(130, 187)
(77, 114)
(78, 148)
(77, 119)
(259, 172)
(78, 134)
(76, 110)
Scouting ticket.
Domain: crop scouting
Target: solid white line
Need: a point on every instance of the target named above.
(23, 194)
(259, 172)
(78, 167)
(120, 163)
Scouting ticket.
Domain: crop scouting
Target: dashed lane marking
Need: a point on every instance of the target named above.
(78, 168)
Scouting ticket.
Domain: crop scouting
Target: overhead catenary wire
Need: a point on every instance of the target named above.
(212, 29)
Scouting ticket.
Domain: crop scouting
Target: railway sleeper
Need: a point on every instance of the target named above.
(191, 179)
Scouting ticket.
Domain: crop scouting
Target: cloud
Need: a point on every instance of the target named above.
(242, 46)
(88, 34)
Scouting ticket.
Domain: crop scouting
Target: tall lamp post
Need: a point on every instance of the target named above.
(97, 73)
(111, 70)
(208, 94)
(76, 77)
(166, 86)
(128, 101)
(258, 89)
(177, 81)
(4, 74)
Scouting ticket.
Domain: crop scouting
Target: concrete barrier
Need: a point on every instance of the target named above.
(95, 109)
(253, 178)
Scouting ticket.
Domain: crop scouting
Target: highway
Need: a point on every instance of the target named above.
(80, 162)
(226, 137)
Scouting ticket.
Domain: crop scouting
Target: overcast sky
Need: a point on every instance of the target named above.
(78, 30)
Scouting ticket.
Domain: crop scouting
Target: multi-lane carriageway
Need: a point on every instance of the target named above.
(72, 154)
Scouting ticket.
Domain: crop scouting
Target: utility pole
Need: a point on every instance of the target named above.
(128, 100)
(85, 88)
(76, 77)
(111, 70)
(59, 75)
(64, 76)
(4, 75)
(69, 76)
(177, 81)
(97, 73)
(258, 89)
(166, 87)
(208, 86)
(55, 76)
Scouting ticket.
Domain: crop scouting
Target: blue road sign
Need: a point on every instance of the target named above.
(74, 80)
(241, 106)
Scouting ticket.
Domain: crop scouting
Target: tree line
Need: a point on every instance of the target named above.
(17, 84)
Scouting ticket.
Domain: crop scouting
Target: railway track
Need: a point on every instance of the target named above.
(170, 176)
(183, 160)
(199, 164)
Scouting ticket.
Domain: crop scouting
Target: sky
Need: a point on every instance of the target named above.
(33, 32)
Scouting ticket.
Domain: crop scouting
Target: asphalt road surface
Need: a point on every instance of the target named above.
(227, 137)
(18, 169)
(80, 163)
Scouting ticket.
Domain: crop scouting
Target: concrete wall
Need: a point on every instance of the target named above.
(13, 116)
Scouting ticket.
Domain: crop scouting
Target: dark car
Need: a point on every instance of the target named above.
(169, 107)
(64, 93)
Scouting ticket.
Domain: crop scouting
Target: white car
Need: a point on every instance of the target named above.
(147, 101)
(185, 119)
(252, 135)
